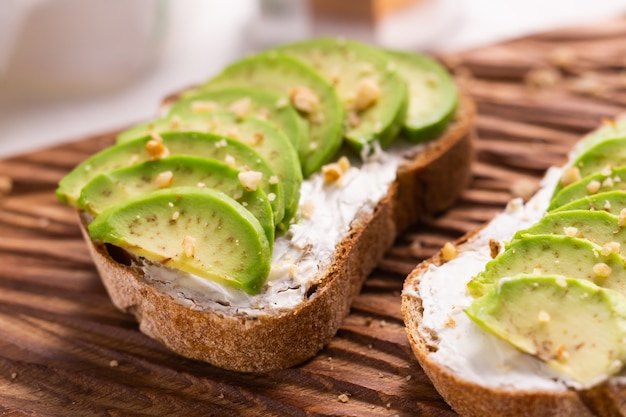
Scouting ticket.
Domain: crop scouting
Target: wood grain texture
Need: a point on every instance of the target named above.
(66, 351)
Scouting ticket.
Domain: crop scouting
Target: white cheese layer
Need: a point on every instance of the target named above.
(303, 254)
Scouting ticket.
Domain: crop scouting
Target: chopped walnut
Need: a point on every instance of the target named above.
(494, 247)
(570, 176)
(448, 252)
(240, 107)
(334, 171)
(542, 77)
(203, 106)
(250, 179)
(602, 270)
(164, 179)
(543, 317)
(610, 247)
(593, 187)
(344, 398)
(570, 231)
(621, 222)
(561, 353)
(304, 99)
(256, 139)
(156, 149)
(523, 188)
(367, 94)
(589, 85)
(175, 122)
(189, 246)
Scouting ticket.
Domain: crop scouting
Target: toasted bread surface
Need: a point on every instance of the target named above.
(427, 184)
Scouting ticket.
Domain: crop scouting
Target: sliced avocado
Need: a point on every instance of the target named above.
(599, 182)
(373, 93)
(313, 96)
(245, 101)
(433, 96)
(563, 255)
(603, 155)
(610, 201)
(113, 187)
(598, 227)
(262, 136)
(576, 327)
(198, 230)
(611, 129)
(205, 145)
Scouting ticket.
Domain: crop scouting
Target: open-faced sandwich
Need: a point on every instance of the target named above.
(238, 226)
(527, 316)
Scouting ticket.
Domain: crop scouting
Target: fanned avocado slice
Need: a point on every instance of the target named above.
(198, 230)
(600, 182)
(602, 156)
(272, 144)
(368, 84)
(598, 227)
(205, 145)
(113, 187)
(553, 254)
(314, 98)
(245, 101)
(433, 95)
(576, 327)
(610, 201)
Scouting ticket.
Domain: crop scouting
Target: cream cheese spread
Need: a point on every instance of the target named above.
(303, 253)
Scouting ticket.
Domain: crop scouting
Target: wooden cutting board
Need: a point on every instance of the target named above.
(66, 351)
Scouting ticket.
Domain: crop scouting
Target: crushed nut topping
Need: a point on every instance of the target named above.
(256, 139)
(273, 180)
(304, 99)
(523, 188)
(543, 316)
(621, 222)
(570, 231)
(240, 107)
(334, 171)
(189, 246)
(540, 78)
(343, 398)
(164, 179)
(561, 353)
(448, 252)
(308, 209)
(250, 179)
(611, 247)
(570, 176)
(230, 160)
(203, 106)
(494, 247)
(367, 94)
(602, 270)
(156, 149)
(593, 187)
(175, 122)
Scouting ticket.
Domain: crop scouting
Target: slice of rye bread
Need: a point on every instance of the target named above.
(473, 399)
(428, 184)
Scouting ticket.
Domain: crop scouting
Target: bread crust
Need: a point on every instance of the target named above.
(267, 343)
(471, 399)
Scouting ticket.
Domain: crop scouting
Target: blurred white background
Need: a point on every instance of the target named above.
(72, 68)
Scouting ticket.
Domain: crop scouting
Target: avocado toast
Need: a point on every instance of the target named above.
(347, 212)
(526, 316)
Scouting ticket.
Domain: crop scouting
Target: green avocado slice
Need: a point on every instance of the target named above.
(272, 144)
(113, 187)
(598, 182)
(314, 98)
(576, 327)
(373, 93)
(598, 227)
(205, 145)
(245, 101)
(610, 201)
(433, 96)
(198, 230)
(563, 255)
(604, 155)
